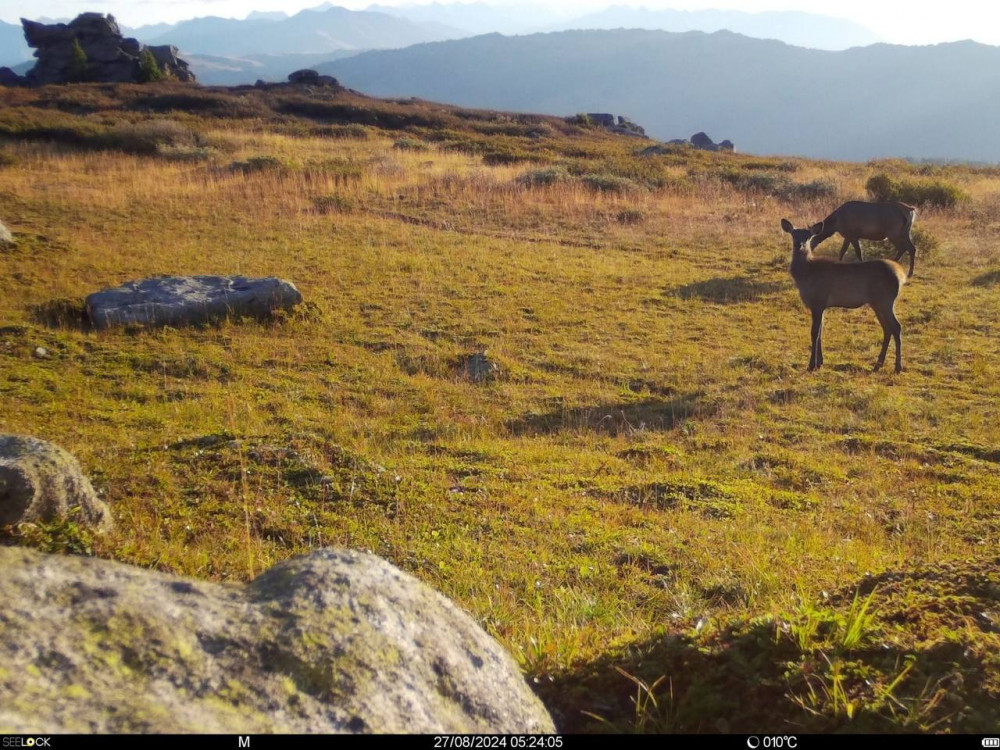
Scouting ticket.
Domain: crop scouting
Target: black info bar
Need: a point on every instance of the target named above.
(783, 741)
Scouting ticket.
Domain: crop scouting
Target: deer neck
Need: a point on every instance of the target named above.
(801, 258)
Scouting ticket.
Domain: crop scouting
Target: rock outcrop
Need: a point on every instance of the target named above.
(313, 78)
(700, 141)
(606, 120)
(190, 300)
(91, 48)
(39, 481)
(703, 142)
(336, 641)
(9, 78)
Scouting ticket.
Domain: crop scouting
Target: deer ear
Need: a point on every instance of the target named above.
(816, 228)
(786, 225)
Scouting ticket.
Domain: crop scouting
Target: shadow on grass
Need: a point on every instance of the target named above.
(728, 291)
(992, 278)
(61, 313)
(614, 419)
(908, 671)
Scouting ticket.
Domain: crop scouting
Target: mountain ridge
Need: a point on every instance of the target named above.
(769, 97)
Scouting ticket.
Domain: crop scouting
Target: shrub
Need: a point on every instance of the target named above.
(810, 191)
(78, 70)
(353, 131)
(609, 183)
(767, 183)
(185, 153)
(777, 185)
(333, 204)
(502, 158)
(543, 177)
(149, 136)
(882, 187)
(149, 69)
(409, 144)
(927, 244)
(630, 216)
(259, 164)
(342, 170)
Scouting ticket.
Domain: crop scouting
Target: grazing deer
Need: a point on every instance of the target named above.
(826, 283)
(857, 220)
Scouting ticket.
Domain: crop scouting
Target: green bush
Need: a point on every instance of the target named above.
(810, 191)
(185, 152)
(609, 183)
(767, 183)
(543, 177)
(333, 204)
(777, 185)
(353, 131)
(409, 144)
(882, 187)
(149, 69)
(259, 164)
(79, 70)
(502, 158)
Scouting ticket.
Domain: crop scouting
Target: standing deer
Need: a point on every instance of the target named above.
(826, 283)
(857, 220)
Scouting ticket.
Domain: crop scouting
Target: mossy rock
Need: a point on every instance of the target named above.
(336, 641)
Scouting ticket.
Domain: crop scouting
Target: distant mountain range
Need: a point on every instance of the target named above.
(331, 29)
(308, 32)
(800, 29)
(937, 101)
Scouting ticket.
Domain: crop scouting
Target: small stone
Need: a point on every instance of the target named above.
(41, 352)
(479, 367)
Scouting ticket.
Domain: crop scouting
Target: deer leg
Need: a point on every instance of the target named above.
(819, 343)
(843, 249)
(897, 333)
(906, 246)
(816, 357)
(857, 249)
(886, 335)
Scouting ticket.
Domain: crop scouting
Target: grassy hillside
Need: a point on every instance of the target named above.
(652, 505)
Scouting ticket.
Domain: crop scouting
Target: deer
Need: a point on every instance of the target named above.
(858, 220)
(825, 283)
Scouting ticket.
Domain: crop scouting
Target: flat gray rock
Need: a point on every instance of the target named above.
(190, 300)
(336, 641)
(39, 481)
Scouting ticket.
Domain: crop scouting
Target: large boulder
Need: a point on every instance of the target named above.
(336, 641)
(190, 300)
(108, 56)
(40, 481)
(702, 141)
(603, 119)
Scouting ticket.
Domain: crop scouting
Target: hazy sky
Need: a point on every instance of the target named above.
(900, 21)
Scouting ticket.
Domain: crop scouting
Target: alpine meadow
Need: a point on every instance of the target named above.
(557, 373)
